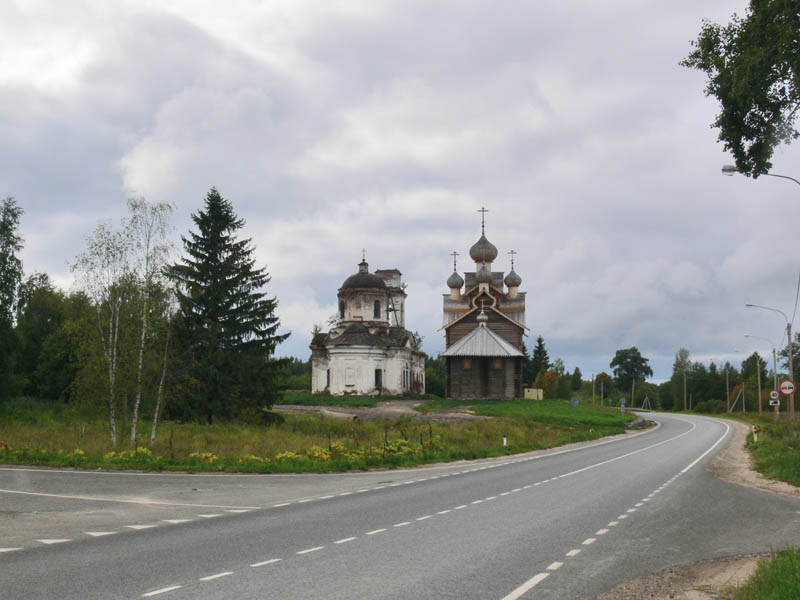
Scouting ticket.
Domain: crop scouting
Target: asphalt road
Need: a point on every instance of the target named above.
(564, 523)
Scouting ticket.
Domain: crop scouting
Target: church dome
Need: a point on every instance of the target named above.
(512, 279)
(455, 280)
(363, 279)
(484, 275)
(483, 250)
(482, 318)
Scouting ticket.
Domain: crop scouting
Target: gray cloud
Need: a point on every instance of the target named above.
(341, 125)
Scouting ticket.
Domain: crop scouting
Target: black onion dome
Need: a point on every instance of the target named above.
(483, 250)
(512, 279)
(455, 280)
(363, 279)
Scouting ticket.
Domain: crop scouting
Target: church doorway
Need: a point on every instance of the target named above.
(483, 369)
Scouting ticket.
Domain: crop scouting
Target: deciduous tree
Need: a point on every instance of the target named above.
(629, 366)
(146, 229)
(753, 69)
(10, 277)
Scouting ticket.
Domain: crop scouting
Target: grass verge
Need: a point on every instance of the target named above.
(54, 435)
(777, 578)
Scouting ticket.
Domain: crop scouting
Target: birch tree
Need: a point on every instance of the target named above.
(102, 272)
(146, 229)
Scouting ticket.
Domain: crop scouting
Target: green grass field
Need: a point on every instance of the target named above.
(56, 435)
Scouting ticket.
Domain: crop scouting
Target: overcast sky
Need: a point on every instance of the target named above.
(336, 126)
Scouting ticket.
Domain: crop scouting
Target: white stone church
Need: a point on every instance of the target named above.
(368, 351)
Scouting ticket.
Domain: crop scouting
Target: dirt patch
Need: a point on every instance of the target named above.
(390, 409)
(714, 578)
(703, 580)
(735, 464)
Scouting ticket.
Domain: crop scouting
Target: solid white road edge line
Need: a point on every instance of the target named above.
(144, 502)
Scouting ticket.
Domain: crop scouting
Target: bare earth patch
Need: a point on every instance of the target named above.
(708, 579)
(390, 409)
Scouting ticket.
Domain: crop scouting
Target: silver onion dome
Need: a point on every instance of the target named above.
(483, 250)
(512, 279)
(455, 280)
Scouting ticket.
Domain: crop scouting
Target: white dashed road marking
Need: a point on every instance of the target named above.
(345, 540)
(574, 552)
(162, 591)
(528, 585)
(588, 541)
(99, 533)
(217, 576)
(176, 521)
(266, 562)
(555, 566)
(311, 550)
(373, 532)
(48, 542)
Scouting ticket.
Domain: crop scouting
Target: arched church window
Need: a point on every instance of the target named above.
(341, 309)
(376, 309)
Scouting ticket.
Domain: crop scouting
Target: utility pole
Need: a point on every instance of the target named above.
(758, 372)
(601, 392)
(791, 369)
(727, 388)
(633, 388)
(592, 389)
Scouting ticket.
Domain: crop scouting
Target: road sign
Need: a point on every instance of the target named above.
(774, 395)
(575, 401)
(787, 387)
(774, 402)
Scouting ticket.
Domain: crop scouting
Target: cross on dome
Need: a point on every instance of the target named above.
(483, 212)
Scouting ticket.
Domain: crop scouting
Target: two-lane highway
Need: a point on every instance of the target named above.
(565, 523)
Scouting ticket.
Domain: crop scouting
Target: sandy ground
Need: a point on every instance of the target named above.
(714, 578)
(391, 409)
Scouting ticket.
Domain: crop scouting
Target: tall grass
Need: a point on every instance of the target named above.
(45, 434)
(777, 578)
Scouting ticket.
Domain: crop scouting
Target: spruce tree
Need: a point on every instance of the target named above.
(226, 327)
(540, 362)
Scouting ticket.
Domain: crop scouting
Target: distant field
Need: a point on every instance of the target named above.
(55, 435)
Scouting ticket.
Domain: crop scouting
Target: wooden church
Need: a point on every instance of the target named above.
(484, 321)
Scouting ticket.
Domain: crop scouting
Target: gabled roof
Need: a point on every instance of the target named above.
(475, 309)
(482, 341)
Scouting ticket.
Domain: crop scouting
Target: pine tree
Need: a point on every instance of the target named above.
(226, 328)
(540, 362)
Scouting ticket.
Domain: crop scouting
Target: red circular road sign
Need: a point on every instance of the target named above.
(773, 394)
(787, 387)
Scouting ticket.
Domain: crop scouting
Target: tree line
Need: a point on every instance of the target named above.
(144, 333)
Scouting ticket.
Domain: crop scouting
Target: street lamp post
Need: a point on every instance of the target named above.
(789, 334)
(774, 367)
(731, 169)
